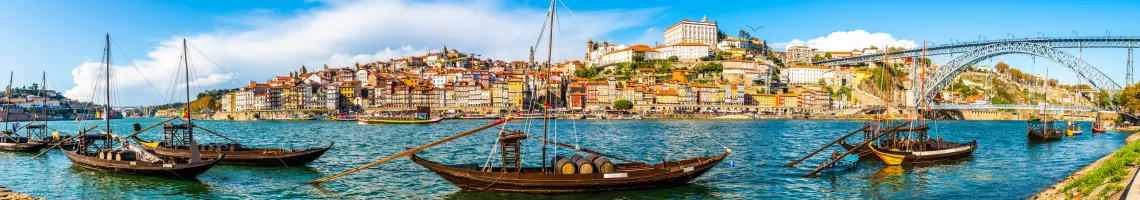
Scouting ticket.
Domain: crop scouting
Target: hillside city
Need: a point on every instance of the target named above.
(699, 68)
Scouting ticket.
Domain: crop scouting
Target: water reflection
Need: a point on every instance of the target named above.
(687, 191)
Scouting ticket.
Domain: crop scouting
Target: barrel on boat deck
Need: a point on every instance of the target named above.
(584, 165)
(562, 165)
(603, 165)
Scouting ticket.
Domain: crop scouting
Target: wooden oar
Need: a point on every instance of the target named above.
(582, 149)
(892, 129)
(81, 132)
(825, 146)
(412, 151)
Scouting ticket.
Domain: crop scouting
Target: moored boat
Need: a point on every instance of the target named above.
(848, 162)
(235, 153)
(110, 153)
(422, 115)
(1040, 131)
(628, 176)
(935, 151)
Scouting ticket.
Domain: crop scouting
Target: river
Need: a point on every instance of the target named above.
(1004, 166)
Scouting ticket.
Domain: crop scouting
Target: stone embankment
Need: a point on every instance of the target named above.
(1057, 191)
(7, 194)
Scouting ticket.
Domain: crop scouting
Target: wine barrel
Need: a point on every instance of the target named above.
(575, 158)
(592, 157)
(584, 166)
(127, 156)
(562, 165)
(603, 165)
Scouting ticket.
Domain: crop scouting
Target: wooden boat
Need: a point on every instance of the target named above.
(422, 115)
(469, 116)
(111, 153)
(14, 143)
(864, 152)
(1043, 131)
(130, 163)
(531, 180)
(1097, 128)
(239, 155)
(373, 121)
(936, 151)
(848, 162)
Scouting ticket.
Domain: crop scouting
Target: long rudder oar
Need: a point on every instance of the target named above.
(412, 151)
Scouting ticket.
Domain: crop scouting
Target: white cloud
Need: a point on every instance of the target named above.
(650, 37)
(848, 40)
(344, 32)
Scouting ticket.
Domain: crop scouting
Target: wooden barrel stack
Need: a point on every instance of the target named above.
(576, 164)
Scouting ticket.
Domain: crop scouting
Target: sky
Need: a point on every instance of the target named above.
(234, 42)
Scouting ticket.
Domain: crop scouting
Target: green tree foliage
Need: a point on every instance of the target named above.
(638, 58)
(664, 67)
(744, 35)
(720, 35)
(586, 72)
(846, 90)
(1104, 99)
(827, 55)
(706, 58)
(622, 104)
(710, 67)
(674, 59)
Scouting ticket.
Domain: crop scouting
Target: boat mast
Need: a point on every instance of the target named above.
(43, 100)
(8, 99)
(186, 61)
(107, 109)
(550, 45)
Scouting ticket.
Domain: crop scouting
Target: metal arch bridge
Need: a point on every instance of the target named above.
(963, 47)
(973, 52)
(1009, 107)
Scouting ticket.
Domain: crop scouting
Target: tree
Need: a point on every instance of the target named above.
(1129, 99)
(1001, 67)
(718, 57)
(674, 59)
(622, 104)
(827, 55)
(706, 58)
(664, 67)
(720, 35)
(1103, 99)
(638, 58)
(821, 81)
(817, 58)
(744, 35)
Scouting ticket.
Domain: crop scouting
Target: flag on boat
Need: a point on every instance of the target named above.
(98, 115)
(182, 113)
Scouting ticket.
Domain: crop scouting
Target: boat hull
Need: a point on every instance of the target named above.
(247, 157)
(29, 146)
(141, 168)
(1047, 135)
(671, 174)
(892, 157)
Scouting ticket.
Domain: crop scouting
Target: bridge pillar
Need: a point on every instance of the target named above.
(1128, 74)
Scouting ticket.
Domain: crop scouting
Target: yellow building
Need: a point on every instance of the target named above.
(789, 100)
(768, 100)
(861, 75)
(515, 91)
(667, 97)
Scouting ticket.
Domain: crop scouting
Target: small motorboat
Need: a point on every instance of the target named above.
(848, 162)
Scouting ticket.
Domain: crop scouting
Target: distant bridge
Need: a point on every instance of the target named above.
(1010, 107)
(974, 52)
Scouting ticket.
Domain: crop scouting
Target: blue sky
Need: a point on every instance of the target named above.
(253, 40)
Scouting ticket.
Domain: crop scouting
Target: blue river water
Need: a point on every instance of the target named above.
(1005, 166)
